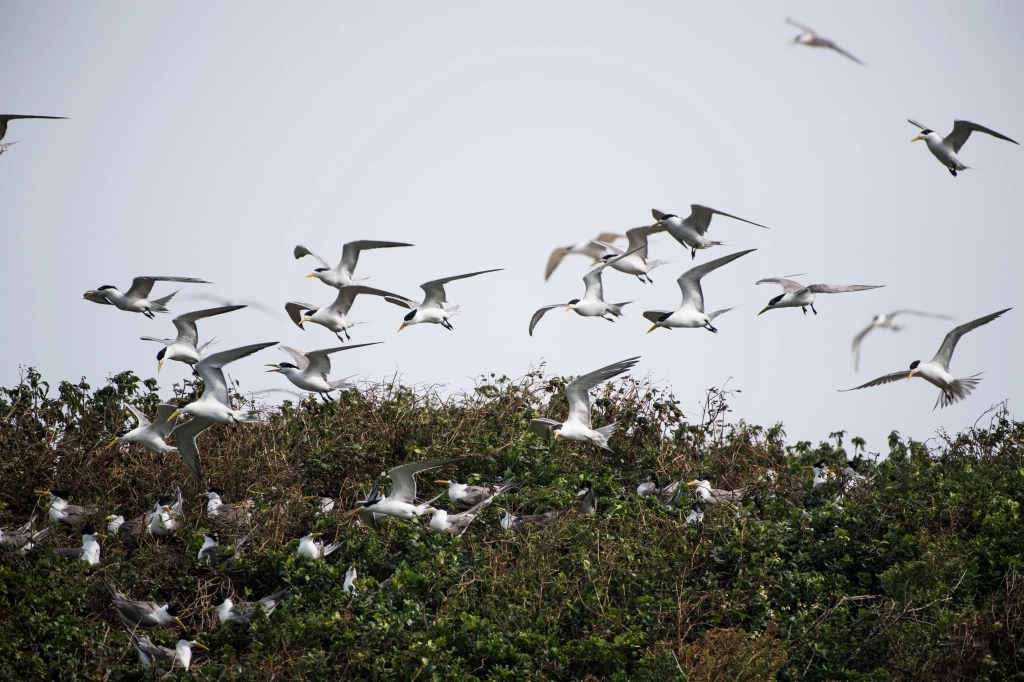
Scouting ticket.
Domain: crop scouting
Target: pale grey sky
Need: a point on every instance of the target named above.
(207, 139)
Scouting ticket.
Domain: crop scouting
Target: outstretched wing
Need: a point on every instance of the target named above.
(636, 241)
(553, 260)
(832, 46)
(301, 251)
(542, 426)
(887, 379)
(577, 391)
(4, 118)
(347, 296)
(300, 358)
(143, 419)
(802, 27)
(320, 361)
(689, 281)
(434, 296)
(210, 369)
(185, 440)
(655, 315)
(963, 129)
(788, 285)
(141, 286)
(294, 309)
(856, 345)
(841, 288)
(540, 313)
(403, 478)
(949, 343)
(700, 217)
(350, 253)
(186, 324)
(163, 424)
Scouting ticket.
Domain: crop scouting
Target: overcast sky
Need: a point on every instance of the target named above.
(207, 139)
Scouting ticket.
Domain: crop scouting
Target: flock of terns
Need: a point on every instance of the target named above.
(309, 371)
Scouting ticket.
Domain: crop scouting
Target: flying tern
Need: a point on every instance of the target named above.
(690, 231)
(710, 495)
(812, 39)
(89, 552)
(136, 300)
(24, 538)
(886, 321)
(63, 512)
(7, 118)
(592, 304)
(184, 347)
(214, 406)
(589, 248)
(309, 370)
(369, 518)
(217, 508)
(465, 495)
(936, 371)
(341, 275)
(335, 316)
(147, 615)
(432, 309)
(154, 655)
(242, 612)
(401, 501)
(634, 261)
(690, 313)
(577, 425)
(946, 149)
(150, 435)
(796, 295)
(310, 546)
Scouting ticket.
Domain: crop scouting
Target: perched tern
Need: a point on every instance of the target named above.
(242, 612)
(590, 249)
(136, 300)
(690, 313)
(309, 371)
(154, 655)
(89, 552)
(585, 502)
(464, 495)
(63, 512)
(214, 406)
(184, 347)
(217, 508)
(945, 149)
(349, 585)
(822, 474)
(812, 39)
(147, 615)
(586, 499)
(592, 304)
(796, 295)
(936, 371)
(886, 321)
(167, 519)
(669, 494)
(690, 231)
(341, 275)
(432, 309)
(24, 538)
(122, 529)
(577, 425)
(634, 260)
(696, 514)
(7, 118)
(711, 495)
(444, 520)
(335, 316)
(210, 551)
(310, 546)
(401, 501)
(150, 435)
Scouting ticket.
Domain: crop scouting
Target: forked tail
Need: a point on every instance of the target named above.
(616, 308)
(604, 434)
(651, 264)
(159, 305)
(957, 391)
(720, 312)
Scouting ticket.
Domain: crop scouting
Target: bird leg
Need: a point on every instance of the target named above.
(804, 308)
(326, 399)
(149, 313)
(693, 254)
(812, 308)
(610, 319)
(340, 338)
(710, 328)
(447, 325)
(347, 335)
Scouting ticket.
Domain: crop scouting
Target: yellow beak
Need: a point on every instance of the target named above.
(310, 497)
(316, 535)
(653, 327)
(404, 325)
(109, 518)
(205, 611)
(196, 644)
(806, 468)
(691, 484)
(911, 374)
(767, 307)
(159, 366)
(303, 320)
(198, 535)
(41, 493)
(173, 415)
(312, 274)
(444, 482)
(182, 626)
(917, 138)
(568, 308)
(111, 444)
(89, 294)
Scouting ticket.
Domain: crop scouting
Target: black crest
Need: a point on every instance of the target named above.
(914, 364)
(574, 301)
(408, 318)
(776, 299)
(162, 353)
(106, 286)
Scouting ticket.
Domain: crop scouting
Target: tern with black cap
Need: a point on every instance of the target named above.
(136, 299)
(946, 149)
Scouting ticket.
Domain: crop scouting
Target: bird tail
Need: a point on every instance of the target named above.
(957, 391)
(616, 308)
(720, 312)
(604, 433)
(248, 416)
(40, 534)
(341, 385)
(331, 547)
(159, 305)
(651, 264)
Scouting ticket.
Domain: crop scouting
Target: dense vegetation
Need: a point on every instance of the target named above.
(916, 574)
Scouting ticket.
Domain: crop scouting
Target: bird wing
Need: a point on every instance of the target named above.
(689, 281)
(553, 260)
(655, 315)
(608, 248)
(301, 251)
(913, 122)
(949, 343)
(403, 478)
(540, 313)
(609, 237)
(577, 391)
(592, 281)
(963, 129)
(887, 379)
(919, 314)
(434, 290)
(401, 301)
(141, 286)
(841, 288)
(300, 358)
(832, 46)
(700, 217)
(143, 419)
(856, 345)
(542, 426)
(788, 285)
(210, 369)
(163, 425)
(295, 308)
(347, 296)
(320, 362)
(802, 27)
(185, 440)
(350, 252)
(4, 118)
(636, 241)
(186, 324)
(114, 593)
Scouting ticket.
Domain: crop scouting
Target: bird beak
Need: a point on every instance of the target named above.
(303, 320)
(41, 493)
(312, 274)
(568, 308)
(310, 497)
(109, 518)
(807, 468)
(355, 511)
(404, 325)
(173, 415)
(911, 374)
(691, 484)
(765, 308)
(558, 434)
(316, 535)
(159, 366)
(431, 509)
(111, 444)
(182, 626)
(198, 645)
(102, 535)
(917, 138)
(444, 482)
(205, 611)
(89, 294)
(653, 327)
(195, 535)
(275, 368)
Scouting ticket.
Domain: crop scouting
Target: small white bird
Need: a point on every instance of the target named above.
(167, 519)
(936, 371)
(401, 501)
(635, 261)
(310, 546)
(342, 274)
(24, 538)
(696, 514)
(309, 371)
(89, 552)
(150, 435)
(136, 300)
(592, 304)
(711, 495)
(464, 495)
(130, 529)
(588, 248)
(812, 39)
(349, 586)
(690, 231)
(822, 474)
(154, 655)
(886, 321)
(242, 612)
(184, 347)
(147, 615)
(335, 316)
(216, 508)
(577, 425)
(432, 310)
(690, 313)
(214, 406)
(669, 494)
(796, 295)
(945, 149)
(63, 512)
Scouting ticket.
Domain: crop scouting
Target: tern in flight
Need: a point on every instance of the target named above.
(796, 295)
(635, 261)
(341, 276)
(7, 118)
(886, 321)
(432, 309)
(151, 435)
(214, 406)
(577, 425)
(812, 39)
(690, 231)
(309, 371)
(401, 501)
(590, 249)
(335, 316)
(936, 371)
(945, 149)
(592, 304)
(184, 347)
(136, 300)
(690, 313)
